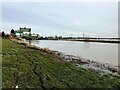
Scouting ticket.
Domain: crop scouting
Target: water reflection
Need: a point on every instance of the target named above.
(86, 45)
(36, 42)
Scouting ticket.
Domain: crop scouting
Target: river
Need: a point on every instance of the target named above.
(99, 52)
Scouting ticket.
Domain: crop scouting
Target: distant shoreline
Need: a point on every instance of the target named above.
(99, 41)
(85, 40)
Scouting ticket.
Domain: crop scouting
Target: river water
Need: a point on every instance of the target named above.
(100, 52)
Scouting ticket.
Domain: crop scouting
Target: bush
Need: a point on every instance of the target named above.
(3, 34)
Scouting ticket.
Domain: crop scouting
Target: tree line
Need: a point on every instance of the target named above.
(11, 35)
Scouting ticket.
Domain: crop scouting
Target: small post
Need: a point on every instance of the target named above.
(20, 32)
(30, 32)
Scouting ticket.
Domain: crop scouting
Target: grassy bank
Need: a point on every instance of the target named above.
(29, 68)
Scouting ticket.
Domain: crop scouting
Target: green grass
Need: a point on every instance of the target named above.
(29, 68)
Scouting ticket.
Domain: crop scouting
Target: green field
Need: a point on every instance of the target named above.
(29, 68)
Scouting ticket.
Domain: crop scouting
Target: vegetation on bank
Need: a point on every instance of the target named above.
(30, 68)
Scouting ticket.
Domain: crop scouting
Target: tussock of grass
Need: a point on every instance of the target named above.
(29, 68)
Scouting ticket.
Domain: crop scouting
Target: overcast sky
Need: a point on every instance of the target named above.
(95, 19)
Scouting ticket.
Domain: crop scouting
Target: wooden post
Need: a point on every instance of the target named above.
(30, 32)
(20, 32)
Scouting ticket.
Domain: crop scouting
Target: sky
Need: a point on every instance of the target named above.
(95, 19)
